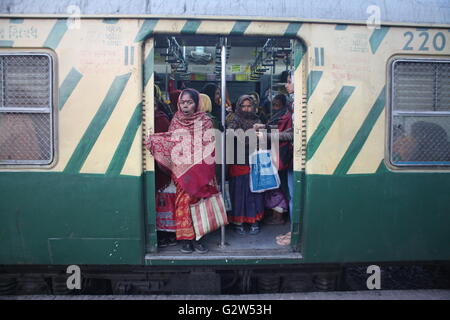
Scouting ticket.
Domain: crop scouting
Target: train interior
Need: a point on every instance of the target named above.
(253, 64)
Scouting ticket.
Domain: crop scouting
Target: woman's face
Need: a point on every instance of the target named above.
(246, 106)
(289, 85)
(187, 104)
(276, 104)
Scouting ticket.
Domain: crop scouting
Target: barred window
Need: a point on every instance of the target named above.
(26, 113)
(420, 113)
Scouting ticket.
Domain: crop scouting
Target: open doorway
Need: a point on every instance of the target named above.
(226, 69)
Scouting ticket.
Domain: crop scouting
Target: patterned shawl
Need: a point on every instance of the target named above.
(187, 150)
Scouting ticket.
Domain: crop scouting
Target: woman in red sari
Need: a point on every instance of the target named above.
(188, 153)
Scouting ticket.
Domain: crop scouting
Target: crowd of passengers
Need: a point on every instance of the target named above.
(249, 210)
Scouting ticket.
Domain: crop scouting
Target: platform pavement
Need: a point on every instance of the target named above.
(331, 295)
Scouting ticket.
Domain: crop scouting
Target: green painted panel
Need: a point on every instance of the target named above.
(317, 57)
(97, 124)
(377, 37)
(148, 66)
(63, 218)
(110, 21)
(362, 134)
(312, 81)
(56, 34)
(341, 27)
(298, 210)
(68, 85)
(16, 21)
(123, 149)
(222, 262)
(239, 28)
(292, 29)
(42, 206)
(93, 251)
(147, 29)
(299, 53)
(381, 217)
(190, 27)
(150, 211)
(6, 43)
(328, 120)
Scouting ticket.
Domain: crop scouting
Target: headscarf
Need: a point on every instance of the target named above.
(241, 119)
(158, 94)
(210, 90)
(205, 103)
(257, 100)
(196, 176)
(279, 114)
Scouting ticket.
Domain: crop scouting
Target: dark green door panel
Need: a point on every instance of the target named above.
(93, 251)
(381, 217)
(96, 219)
(35, 207)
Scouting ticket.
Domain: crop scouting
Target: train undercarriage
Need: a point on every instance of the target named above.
(215, 280)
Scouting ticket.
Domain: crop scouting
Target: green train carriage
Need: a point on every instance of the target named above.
(81, 190)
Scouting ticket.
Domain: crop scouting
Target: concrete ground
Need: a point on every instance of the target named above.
(335, 295)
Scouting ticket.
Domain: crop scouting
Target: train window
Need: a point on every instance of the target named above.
(26, 119)
(420, 113)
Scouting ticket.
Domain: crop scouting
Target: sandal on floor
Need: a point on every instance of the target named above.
(239, 229)
(283, 236)
(284, 240)
(254, 229)
(162, 243)
(172, 242)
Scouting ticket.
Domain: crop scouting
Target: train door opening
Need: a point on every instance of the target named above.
(244, 83)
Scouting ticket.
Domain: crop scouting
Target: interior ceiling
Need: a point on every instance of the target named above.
(212, 41)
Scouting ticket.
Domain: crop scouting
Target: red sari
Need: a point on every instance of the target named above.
(194, 172)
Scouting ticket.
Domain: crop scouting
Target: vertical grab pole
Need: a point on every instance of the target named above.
(166, 82)
(223, 85)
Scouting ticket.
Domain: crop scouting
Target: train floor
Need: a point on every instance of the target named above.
(261, 244)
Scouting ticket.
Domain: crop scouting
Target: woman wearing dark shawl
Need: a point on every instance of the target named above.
(193, 173)
(247, 207)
